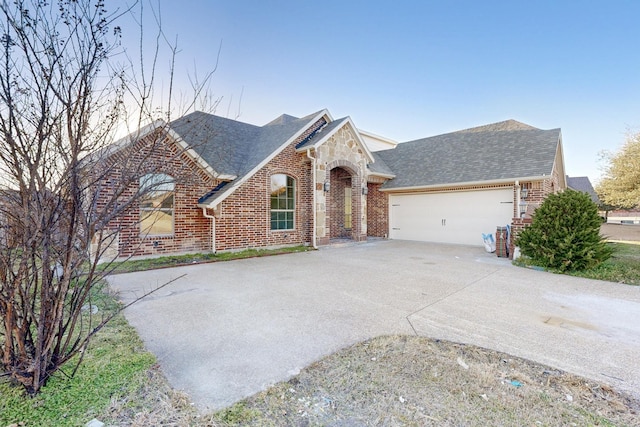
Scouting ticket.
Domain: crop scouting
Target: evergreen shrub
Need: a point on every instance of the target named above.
(565, 234)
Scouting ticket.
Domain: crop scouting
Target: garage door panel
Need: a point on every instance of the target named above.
(456, 217)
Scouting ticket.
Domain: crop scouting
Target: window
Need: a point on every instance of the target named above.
(156, 205)
(282, 202)
(347, 208)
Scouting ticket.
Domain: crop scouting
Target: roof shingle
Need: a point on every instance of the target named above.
(232, 147)
(582, 183)
(504, 150)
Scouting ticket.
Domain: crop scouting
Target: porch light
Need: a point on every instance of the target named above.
(523, 208)
(524, 192)
(365, 191)
(327, 186)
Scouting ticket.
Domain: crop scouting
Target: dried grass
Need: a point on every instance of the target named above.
(402, 381)
(413, 381)
(154, 404)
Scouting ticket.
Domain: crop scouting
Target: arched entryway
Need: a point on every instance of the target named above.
(340, 163)
(343, 203)
(340, 204)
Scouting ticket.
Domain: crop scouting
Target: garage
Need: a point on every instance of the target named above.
(449, 217)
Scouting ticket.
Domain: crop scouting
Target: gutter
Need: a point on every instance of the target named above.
(313, 225)
(381, 175)
(509, 181)
(213, 229)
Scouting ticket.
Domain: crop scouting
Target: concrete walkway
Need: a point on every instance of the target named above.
(228, 330)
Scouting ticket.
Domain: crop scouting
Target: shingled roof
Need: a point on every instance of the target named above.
(231, 147)
(379, 167)
(582, 183)
(498, 151)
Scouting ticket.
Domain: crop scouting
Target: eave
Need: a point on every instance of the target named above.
(504, 181)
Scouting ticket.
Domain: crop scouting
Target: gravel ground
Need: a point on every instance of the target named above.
(621, 232)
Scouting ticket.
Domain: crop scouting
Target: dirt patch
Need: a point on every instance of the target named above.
(399, 381)
(154, 404)
(627, 232)
(415, 381)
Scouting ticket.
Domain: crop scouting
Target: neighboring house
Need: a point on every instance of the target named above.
(582, 183)
(617, 216)
(623, 217)
(228, 185)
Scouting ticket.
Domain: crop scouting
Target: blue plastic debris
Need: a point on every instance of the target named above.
(516, 383)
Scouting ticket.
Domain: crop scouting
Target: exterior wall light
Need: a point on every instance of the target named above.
(524, 192)
(523, 208)
(327, 186)
(365, 191)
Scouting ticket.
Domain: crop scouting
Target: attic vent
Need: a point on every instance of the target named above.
(212, 192)
(312, 134)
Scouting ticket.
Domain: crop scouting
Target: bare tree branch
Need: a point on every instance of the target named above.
(66, 87)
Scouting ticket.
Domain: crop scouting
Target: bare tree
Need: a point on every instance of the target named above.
(62, 98)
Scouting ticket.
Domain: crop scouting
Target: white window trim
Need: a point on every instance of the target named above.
(295, 204)
(141, 209)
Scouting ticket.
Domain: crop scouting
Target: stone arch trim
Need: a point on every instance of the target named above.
(358, 206)
(344, 164)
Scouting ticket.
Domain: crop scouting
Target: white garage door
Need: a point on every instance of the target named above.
(456, 217)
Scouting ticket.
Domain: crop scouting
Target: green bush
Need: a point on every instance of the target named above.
(565, 234)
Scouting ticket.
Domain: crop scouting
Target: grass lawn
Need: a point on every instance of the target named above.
(114, 366)
(622, 267)
(178, 260)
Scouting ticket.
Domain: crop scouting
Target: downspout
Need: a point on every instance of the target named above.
(213, 229)
(313, 233)
(517, 210)
(516, 250)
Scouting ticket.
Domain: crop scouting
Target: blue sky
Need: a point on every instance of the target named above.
(411, 69)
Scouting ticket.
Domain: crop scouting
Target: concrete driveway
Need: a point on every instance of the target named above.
(228, 330)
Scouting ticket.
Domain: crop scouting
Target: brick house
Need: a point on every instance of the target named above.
(220, 184)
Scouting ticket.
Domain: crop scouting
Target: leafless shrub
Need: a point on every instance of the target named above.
(63, 97)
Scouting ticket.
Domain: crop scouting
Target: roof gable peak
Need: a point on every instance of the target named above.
(282, 119)
(287, 118)
(506, 125)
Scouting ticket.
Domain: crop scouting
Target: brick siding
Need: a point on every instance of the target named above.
(377, 211)
(244, 220)
(156, 154)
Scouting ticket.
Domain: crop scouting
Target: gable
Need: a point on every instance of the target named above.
(156, 131)
(376, 142)
(250, 148)
(325, 133)
(504, 151)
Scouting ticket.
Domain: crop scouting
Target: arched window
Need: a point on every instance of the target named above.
(282, 202)
(156, 204)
